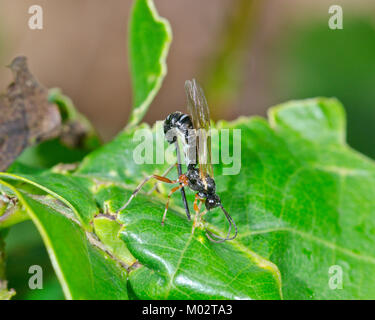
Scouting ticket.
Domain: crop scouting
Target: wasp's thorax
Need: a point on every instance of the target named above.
(180, 124)
(206, 188)
(180, 121)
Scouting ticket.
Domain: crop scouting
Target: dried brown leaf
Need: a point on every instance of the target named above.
(26, 116)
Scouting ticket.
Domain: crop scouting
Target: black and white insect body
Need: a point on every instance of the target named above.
(194, 132)
(179, 121)
(178, 124)
(205, 190)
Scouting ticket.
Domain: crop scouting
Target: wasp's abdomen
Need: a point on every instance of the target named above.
(196, 183)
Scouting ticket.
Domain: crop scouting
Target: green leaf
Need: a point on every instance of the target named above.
(303, 203)
(82, 266)
(149, 40)
(324, 213)
(166, 252)
(179, 264)
(73, 191)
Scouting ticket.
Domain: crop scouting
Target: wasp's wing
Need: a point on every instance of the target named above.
(198, 108)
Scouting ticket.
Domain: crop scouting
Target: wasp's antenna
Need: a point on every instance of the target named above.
(179, 169)
(231, 222)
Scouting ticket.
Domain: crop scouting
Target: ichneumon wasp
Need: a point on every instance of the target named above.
(194, 130)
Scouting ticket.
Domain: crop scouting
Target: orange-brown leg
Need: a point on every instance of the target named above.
(173, 190)
(155, 187)
(154, 176)
(200, 205)
(196, 209)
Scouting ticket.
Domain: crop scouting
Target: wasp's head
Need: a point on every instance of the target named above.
(212, 201)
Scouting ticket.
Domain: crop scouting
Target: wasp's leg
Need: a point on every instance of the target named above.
(197, 209)
(215, 238)
(155, 187)
(173, 190)
(154, 176)
(179, 170)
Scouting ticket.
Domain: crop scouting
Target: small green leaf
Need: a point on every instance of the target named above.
(149, 40)
(107, 230)
(11, 213)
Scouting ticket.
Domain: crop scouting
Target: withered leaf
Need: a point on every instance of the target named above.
(26, 116)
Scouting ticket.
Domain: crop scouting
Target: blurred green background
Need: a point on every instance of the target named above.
(248, 55)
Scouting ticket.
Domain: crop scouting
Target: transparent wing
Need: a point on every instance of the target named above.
(198, 109)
